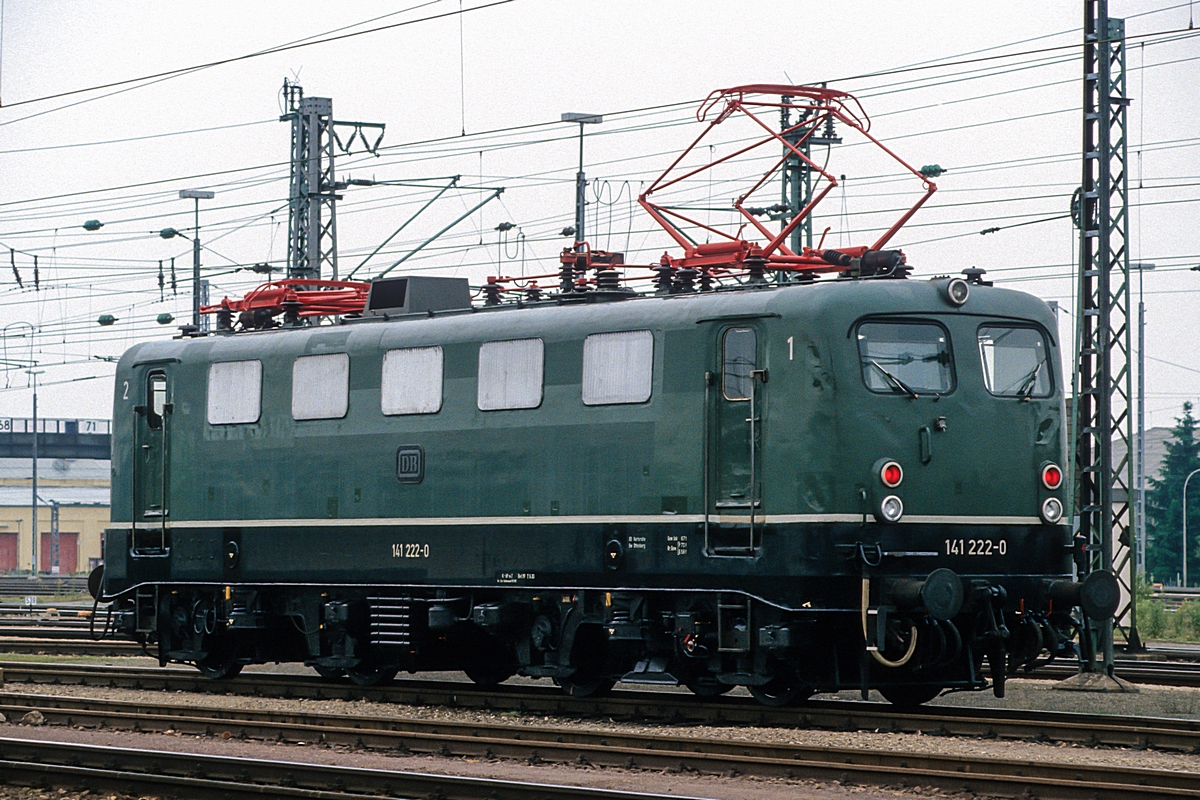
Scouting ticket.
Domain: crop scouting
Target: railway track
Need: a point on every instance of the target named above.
(649, 706)
(71, 646)
(175, 774)
(1151, 673)
(561, 745)
(71, 635)
(75, 640)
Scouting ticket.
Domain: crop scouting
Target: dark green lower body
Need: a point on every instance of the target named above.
(779, 608)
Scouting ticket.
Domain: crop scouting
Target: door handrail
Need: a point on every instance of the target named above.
(709, 380)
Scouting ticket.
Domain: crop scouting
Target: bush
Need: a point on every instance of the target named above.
(1152, 619)
(1185, 623)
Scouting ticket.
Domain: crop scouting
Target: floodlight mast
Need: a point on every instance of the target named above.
(580, 178)
(196, 195)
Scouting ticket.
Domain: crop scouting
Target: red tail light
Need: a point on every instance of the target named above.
(891, 474)
(1052, 476)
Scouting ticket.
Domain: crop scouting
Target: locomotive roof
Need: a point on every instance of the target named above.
(832, 305)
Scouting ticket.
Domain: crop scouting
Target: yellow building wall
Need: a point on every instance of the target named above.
(87, 521)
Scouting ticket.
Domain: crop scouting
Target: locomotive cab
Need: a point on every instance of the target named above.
(954, 445)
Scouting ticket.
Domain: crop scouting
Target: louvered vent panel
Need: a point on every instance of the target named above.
(391, 621)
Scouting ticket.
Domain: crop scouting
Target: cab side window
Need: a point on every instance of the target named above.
(156, 391)
(739, 354)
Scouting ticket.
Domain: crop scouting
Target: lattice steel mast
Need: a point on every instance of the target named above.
(312, 194)
(797, 174)
(1103, 375)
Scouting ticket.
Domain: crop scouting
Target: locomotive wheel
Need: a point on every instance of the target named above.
(909, 696)
(368, 675)
(707, 686)
(781, 691)
(488, 674)
(218, 670)
(582, 686)
(329, 673)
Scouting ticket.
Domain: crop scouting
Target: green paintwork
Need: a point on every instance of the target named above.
(819, 436)
(821, 430)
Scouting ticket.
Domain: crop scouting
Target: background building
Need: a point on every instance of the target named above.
(74, 477)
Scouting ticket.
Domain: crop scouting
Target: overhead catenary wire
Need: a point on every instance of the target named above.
(246, 56)
(858, 181)
(681, 104)
(280, 164)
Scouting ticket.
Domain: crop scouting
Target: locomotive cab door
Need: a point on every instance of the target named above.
(734, 411)
(151, 451)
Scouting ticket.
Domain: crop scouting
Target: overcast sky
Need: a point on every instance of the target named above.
(1006, 126)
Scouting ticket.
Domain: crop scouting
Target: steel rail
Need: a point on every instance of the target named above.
(107, 768)
(68, 646)
(77, 629)
(74, 639)
(538, 744)
(656, 706)
(1150, 673)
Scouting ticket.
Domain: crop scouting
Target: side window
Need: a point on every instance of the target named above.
(412, 381)
(510, 374)
(739, 354)
(321, 386)
(156, 389)
(905, 357)
(1015, 361)
(234, 392)
(618, 367)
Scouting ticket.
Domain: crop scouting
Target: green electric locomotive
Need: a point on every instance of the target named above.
(795, 488)
(746, 477)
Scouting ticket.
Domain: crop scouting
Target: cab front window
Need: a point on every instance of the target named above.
(910, 358)
(1015, 361)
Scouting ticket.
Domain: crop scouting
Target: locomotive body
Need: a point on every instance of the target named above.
(796, 488)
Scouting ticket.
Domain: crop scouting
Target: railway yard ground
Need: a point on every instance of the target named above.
(525, 732)
(660, 742)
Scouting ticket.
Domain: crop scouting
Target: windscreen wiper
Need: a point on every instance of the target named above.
(1029, 381)
(894, 381)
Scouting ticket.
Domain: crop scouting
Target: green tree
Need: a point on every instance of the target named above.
(1164, 505)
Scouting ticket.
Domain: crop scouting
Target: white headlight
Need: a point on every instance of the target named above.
(891, 509)
(955, 291)
(1052, 510)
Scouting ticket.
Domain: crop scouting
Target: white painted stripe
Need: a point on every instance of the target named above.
(653, 519)
(781, 519)
(376, 522)
(951, 520)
